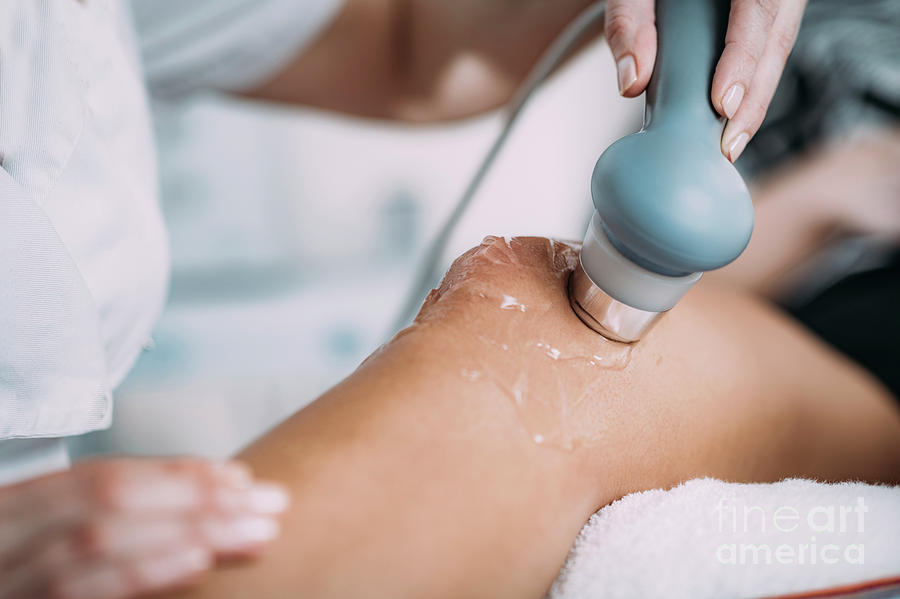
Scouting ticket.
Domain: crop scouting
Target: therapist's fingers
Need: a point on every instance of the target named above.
(630, 31)
(175, 485)
(124, 511)
(110, 538)
(125, 552)
(749, 25)
(123, 578)
(119, 556)
(134, 486)
(133, 577)
(137, 486)
(761, 34)
(127, 484)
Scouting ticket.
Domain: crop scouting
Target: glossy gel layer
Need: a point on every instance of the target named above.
(532, 347)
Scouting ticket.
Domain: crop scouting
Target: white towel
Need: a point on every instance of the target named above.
(708, 538)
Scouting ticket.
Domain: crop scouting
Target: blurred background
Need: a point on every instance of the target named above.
(295, 235)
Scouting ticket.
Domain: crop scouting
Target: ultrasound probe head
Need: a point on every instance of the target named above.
(669, 206)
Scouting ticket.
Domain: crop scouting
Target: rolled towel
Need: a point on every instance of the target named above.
(708, 538)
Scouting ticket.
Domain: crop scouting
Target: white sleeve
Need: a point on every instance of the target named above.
(223, 44)
(52, 362)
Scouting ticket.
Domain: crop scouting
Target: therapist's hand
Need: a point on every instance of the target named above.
(118, 528)
(761, 34)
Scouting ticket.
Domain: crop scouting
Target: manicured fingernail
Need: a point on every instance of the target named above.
(731, 101)
(626, 70)
(234, 535)
(266, 498)
(256, 530)
(171, 568)
(737, 146)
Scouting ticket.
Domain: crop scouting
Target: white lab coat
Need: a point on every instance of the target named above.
(83, 253)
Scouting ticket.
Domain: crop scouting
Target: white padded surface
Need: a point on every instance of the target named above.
(708, 538)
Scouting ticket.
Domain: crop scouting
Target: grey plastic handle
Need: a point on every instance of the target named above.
(690, 39)
(668, 199)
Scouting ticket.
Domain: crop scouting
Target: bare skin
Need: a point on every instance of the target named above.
(421, 60)
(416, 477)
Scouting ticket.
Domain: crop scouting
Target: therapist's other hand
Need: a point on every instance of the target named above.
(119, 528)
(761, 34)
